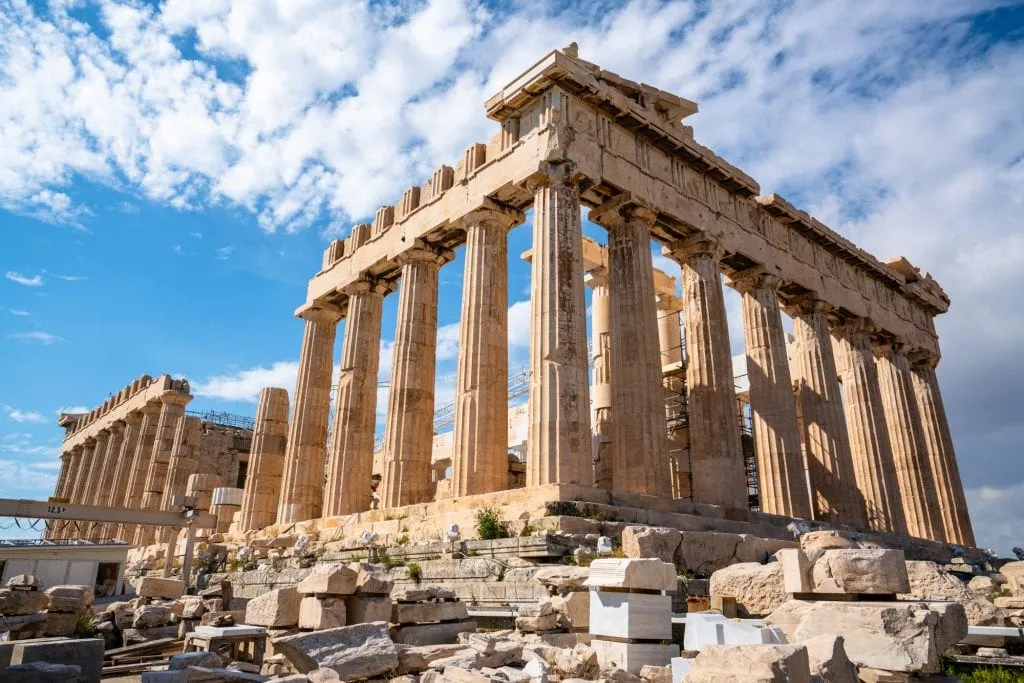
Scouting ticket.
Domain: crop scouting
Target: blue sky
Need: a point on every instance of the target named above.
(170, 173)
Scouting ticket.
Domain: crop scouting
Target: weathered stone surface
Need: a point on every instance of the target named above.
(362, 609)
(192, 607)
(827, 539)
(154, 587)
(929, 582)
(19, 602)
(275, 609)
(336, 580)
(631, 615)
(355, 652)
(1009, 602)
(562, 578)
(573, 609)
(372, 579)
(149, 616)
(579, 662)
(656, 674)
(704, 552)
(651, 542)
(24, 581)
(323, 676)
(130, 636)
(68, 598)
(544, 622)
(758, 588)
(42, 672)
(431, 634)
(60, 624)
(647, 574)
(750, 663)
(828, 662)
(983, 586)
(756, 549)
(419, 612)
(422, 593)
(209, 660)
(632, 657)
(85, 653)
(851, 570)
(893, 636)
(1014, 573)
(318, 613)
(413, 659)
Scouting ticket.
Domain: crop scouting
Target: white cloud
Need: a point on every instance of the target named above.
(15, 311)
(72, 409)
(224, 253)
(519, 324)
(245, 385)
(68, 278)
(995, 526)
(19, 415)
(448, 341)
(37, 336)
(34, 281)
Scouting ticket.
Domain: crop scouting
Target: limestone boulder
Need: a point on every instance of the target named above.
(364, 609)
(24, 582)
(656, 674)
(828, 662)
(413, 659)
(705, 552)
(893, 636)
(860, 571)
(372, 579)
(828, 539)
(131, 636)
(274, 609)
(561, 578)
(929, 582)
(421, 612)
(983, 586)
(150, 616)
(209, 660)
(531, 624)
(191, 607)
(1014, 574)
(68, 598)
(60, 624)
(646, 541)
(1010, 602)
(354, 652)
(155, 587)
(750, 663)
(579, 662)
(757, 588)
(320, 613)
(422, 593)
(20, 602)
(337, 580)
(573, 609)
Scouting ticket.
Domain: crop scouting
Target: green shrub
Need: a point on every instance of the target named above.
(489, 524)
(415, 573)
(84, 626)
(388, 561)
(402, 540)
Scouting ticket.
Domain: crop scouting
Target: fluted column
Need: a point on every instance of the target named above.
(184, 463)
(781, 476)
(716, 458)
(638, 402)
(55, 528)
(92, 483)
(873, 465)
(938, 444)
(302, 484)
(139, 467)
(559, 404)
(172, 409)
(119, 479)
(350, 466)
(480, 452)
(913, 469)
(409, 433)
(77, 492)
(834, 494)
(670, 341)
(266, 460)
(101, 485)
(601, 386)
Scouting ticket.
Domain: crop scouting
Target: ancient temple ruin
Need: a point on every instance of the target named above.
(848, 424)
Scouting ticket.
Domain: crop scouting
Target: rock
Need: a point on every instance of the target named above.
(60, 624)
(546, 622)
(454, 674)
(130, 636)
(561, 578)
(860, 571)
(827, 539)
(828, 662)
(1014, 573)
(633, 573)
(504, 652)
(1009, 603)
(42, 672)
(154, 587)
(335, 580)
(323, 676)
(321, 613)
(275, 609)
(646, 541)
(753, 548)
(749, 663)
(893, 636)
(992, 652)
(928, 582)
(364, 609)
(149, 616)
(656, 674)
(124, 615)
(372, 579)
(515, 675)
(420, 612)
(209, 660)
(431, 634)
(579, 662)
(541, 608)
(413, 659)
(24, 582)
(354, 652)
(20, 602)
(192, 607)
(68, 598)
(422, 593)
(983, 586)
(574, 609)
(704, 552)
(757, 588)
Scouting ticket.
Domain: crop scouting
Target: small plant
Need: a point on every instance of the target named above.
(501, 573)
(388, 561)
(83, 626)
(415, 573)
(528, 529)
(490, 526)
(403, 528)
(402, 540)
(562, 508)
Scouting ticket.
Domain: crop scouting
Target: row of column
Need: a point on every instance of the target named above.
(877, 451)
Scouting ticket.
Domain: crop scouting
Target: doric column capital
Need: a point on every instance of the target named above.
(889, 348)
(117, 426)
(598, 277)
(553, 173)
(174, 398)
(321, 311)
(422, 251)
(846, 328)
(492, 215)
(368, 285)
(694, 247)
(668, 302)
(753, 278)
(621, 210)
(133, 418)
(807, 304)
(152, 408)
(77, 450)
(65, 455)
(920, 358)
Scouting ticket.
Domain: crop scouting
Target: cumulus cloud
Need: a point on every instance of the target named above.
(19, 415)
(34, 281)
(245, 385)
(37, 337)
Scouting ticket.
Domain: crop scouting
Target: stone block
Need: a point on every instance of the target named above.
(1014, 574)
(983, 586)
(828, 539)
(362, 609)
(420, 612)
(632, 657)
(422, 593)
(929, 582)
(562, 578)
(85, 653)
(191, 607)
(149, 616)
(656, 674)
(318, 613)
(573, 609)
(894, 636)
(413, 659)
(68, 598)
(540, 622)
(826, 656)
(750, 663)
(20, 602)
(1009, 602)
(60, 624)
(372, 579)
(651, 542)
(757, 588)
(631, 615)
(704, 552)
(431, 634)
(354, 652)
(336, 580)
(131, 636)
(209, 660)
(706, 628)
(274, 609)
(869, 571)
(42, 672)
(637, 574)
(154, 587)
(24, 582)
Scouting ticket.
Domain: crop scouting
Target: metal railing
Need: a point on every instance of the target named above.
(225, 419)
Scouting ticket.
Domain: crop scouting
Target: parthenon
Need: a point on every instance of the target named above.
(848, 423)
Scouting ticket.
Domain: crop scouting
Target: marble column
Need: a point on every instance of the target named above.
(184, 462)
(91, 484)
(266, 460)
(913, 469)
(62, 476)
(480, 451)
(79, 488)
(101, 487)
(601, 386)
(873, 464)
(640, 433)
(559, 405)
(670, 341)
(938, 445)
(302, 484)
(172, 409)
(716, 457)
(409, 432)
(350, 466)
(114, 496)
(834, 493)
(139, 467)
(781, 476)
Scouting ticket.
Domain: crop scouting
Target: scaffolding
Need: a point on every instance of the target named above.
(224, 419)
